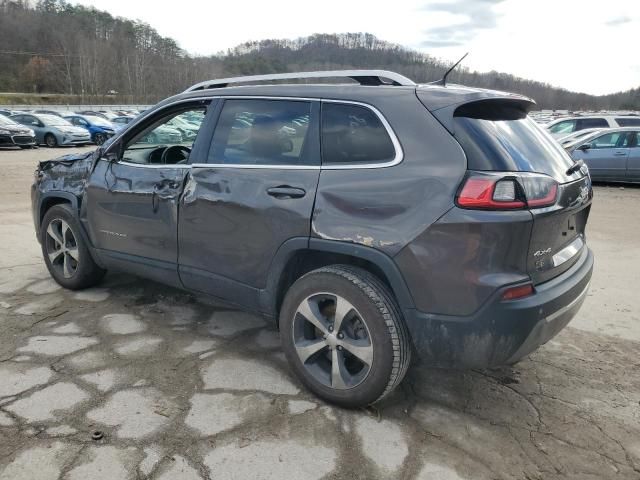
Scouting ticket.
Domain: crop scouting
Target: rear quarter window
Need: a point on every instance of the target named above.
(354, 134)
(628, 122)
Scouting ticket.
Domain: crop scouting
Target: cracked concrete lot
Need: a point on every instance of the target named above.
(183, 389)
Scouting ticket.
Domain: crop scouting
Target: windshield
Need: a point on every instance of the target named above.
(97, 121)
(53, 121)
(6, 121)
(510, 142)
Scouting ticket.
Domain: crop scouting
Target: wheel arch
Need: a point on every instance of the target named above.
(53, 198)
(298, 256)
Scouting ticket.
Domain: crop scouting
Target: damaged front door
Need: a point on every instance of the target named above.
(133, 193)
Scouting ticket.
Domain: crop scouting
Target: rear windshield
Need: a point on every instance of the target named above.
(503, 138)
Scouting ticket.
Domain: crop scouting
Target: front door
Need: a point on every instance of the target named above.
(131, 200)
(607, 156)
(255, 192)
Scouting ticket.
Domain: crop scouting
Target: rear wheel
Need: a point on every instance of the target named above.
(50, 140)
(65, 253)
(344, 336)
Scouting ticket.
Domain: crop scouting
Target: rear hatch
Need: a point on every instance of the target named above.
(499, 138)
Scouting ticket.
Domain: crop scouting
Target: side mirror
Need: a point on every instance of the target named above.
(115, 152)
(584, 147)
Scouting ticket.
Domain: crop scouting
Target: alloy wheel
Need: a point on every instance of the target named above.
(332, 341)
(62, 248)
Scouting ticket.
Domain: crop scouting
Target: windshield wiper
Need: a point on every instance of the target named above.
(575, 167)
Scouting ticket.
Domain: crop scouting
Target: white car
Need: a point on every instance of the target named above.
(565, 126)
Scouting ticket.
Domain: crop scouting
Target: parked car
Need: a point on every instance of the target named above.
(14, 134)
(612, 155)
(398, 219)
(564, 126)
(53, 131)
(99, 129)
(93, 113)
(120, 122)
(572, 137)
(47, 112)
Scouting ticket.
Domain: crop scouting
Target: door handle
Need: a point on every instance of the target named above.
(620, 154)
(285, 191)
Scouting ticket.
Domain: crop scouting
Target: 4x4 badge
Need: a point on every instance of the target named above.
(539, 253)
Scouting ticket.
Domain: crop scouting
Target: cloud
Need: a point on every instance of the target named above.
(614, 22)
(479, 16)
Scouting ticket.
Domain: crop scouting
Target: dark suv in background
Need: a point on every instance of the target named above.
(370, 220)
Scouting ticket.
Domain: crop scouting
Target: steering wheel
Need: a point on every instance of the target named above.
(171, 154)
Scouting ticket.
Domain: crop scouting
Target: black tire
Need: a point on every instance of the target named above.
(374, 305)
(83, 272)
(99, 139)
(50, 140)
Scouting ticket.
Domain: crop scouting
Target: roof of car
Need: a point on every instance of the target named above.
(374, 84)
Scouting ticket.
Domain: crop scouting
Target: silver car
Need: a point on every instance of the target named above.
(52, 130)
(612, 155)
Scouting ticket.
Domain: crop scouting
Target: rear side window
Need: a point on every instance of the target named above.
(497, 136)
(354, 134)
(592, 123)
(628, 122)
(262, 132)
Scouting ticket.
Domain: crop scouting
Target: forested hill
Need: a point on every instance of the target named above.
(55, 47)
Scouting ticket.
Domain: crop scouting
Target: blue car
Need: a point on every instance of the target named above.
(99, 129)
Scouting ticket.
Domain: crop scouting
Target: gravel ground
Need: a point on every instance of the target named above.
(182, 389)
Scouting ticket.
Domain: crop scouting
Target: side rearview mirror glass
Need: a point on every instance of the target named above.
(584, 147)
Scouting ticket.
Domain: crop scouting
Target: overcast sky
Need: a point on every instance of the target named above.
(585, 46)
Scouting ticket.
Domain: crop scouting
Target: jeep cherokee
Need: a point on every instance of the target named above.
(370, 220)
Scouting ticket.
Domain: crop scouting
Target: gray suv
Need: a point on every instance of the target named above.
(372, 220)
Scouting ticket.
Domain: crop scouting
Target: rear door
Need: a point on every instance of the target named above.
(499, 138)
(254, 192)
(633, 162)
(606, 156)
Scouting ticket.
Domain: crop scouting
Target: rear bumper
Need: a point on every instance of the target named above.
(502, 332)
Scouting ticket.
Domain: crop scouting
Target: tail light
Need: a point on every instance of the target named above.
(507, 191)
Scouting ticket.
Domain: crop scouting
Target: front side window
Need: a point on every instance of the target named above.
(161, 142)
(354, 134)
(611, 140)
(262, 132)
(566, 127)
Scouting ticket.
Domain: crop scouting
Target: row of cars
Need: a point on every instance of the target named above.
(609, 145)
(50, 128)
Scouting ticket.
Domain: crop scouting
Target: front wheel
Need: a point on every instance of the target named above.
(344, 336)
(50, 140)
(100, 138)
(65, 252)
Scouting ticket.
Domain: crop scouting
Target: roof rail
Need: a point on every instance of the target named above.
(363, 77)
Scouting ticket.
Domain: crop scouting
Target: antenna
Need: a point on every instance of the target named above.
(443, 81)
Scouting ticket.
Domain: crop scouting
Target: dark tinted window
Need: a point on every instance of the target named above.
(506, 139)
(592, 123)
(262, 132)
(354, 134)
(628, 121)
